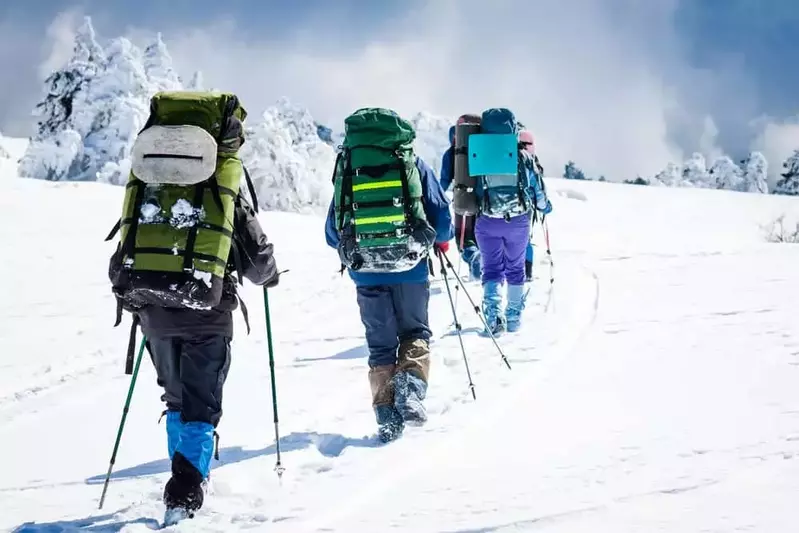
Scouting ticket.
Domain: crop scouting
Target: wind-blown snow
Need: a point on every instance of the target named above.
(657, 392)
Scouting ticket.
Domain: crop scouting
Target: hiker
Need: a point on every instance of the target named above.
(448, 162)
(527, 143)
(464, 225)
(508, 204)
(184, 298)
(388, 210)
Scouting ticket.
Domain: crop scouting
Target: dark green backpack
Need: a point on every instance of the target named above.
(176, 230)
(378, 195)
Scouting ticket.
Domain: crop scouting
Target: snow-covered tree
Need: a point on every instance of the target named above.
(65, 84)
(120, 96)
(61, 114)
(755, 174)
(572, 172)
(695, 173)
(158, 67)
(105, 116)
(291, 166)
(726, 174)
(789, 182)
(671, 176)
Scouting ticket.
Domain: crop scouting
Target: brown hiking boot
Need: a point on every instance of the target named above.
(414, 357)
(410, 381)
(389, 421)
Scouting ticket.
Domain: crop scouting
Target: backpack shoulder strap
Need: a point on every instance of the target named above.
(251, 188)
(346, 186)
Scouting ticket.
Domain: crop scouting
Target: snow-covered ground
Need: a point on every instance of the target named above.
(11, 150)
(657, 392)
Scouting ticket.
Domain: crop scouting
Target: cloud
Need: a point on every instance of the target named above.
(596, 84)
(602, 82)
(778, 140)
(60, 40)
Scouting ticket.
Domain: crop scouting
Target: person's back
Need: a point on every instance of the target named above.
(393, 298)
(527, 143)
(464, 225)
(503, 228)
(186, 239)
(448, 162)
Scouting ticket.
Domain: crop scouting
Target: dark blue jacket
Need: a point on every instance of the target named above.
(447, 168)
(436, 207)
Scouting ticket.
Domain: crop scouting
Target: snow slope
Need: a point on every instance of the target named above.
(656, 392)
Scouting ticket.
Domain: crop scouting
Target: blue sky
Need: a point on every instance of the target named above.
(656, 78)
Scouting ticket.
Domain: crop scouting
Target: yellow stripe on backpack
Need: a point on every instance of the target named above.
(376, 185)
(379, 220)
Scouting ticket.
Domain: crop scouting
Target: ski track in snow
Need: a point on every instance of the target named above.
(655, 393)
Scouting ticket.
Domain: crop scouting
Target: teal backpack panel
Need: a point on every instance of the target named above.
(493, 154)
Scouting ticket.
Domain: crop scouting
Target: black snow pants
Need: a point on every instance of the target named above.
(192, 370)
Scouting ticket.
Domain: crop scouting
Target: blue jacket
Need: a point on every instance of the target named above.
(447, 167)
(436, 207)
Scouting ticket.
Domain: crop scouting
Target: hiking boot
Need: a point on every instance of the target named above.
(184, 490)
(517, 296)
(410, 381)
(389, 421)
(492, 305)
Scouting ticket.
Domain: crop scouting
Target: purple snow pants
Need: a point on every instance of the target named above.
(503, 244)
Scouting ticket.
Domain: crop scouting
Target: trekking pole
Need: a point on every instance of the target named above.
(278, 466)
(457, 326)
(477, 310)
(549, 253)
(550, 298)
(122, 422)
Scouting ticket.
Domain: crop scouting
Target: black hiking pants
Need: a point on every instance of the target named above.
(192, 370)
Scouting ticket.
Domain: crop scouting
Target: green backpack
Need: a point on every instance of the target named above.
(176, 230)
(378, 195)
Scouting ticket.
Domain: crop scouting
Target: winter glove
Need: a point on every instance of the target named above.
(442, 247)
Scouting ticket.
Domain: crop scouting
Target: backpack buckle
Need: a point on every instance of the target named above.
(397, 202)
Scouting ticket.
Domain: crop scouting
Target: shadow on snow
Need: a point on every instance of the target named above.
(327, 444)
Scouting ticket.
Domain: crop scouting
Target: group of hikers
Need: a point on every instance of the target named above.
(188, 236)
